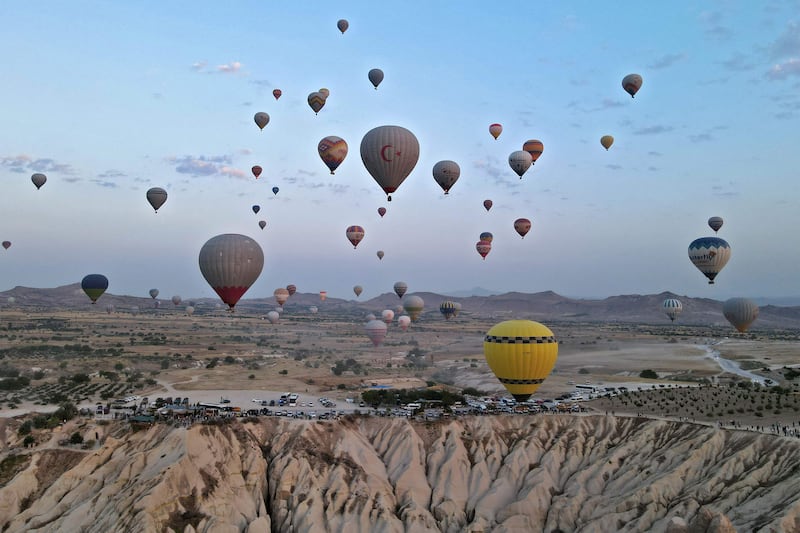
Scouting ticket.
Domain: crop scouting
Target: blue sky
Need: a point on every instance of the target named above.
(109, 99)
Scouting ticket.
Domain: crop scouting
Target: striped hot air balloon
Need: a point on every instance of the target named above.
(231, 263)
(672, 307)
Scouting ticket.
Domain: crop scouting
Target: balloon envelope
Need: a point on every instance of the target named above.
(483, 248)
(94, 285)
(522, 226)
(38, 179)
(281, 295)
(256, 170)
(273, 317)
(355, 234)
(446, 173)
(715, 223)
(487, 204)
(342, 24)
(520, 161)
(387, 315)
(262, 224)
(358, 290)
(256, 208)
(400, 288)
(632, 83)
(376, 331)
(156, 196)
(292, 288)
(413, 305)
(316, 101)
(740, 312)
(404, 321)
(261, 119)
(495, 130)
(231, 263)
(606, 141)
(448, 309)
(672, 307)
(389, 154)
(176, 300)
(534, 147)
(381, 211)
(323, 295)
(521, 353)
(380, 254)
(709, 255)
(332, 150)
(6, 244)
(486, 236)
(375, 77)
(153, 293)
(277, 93)
(275, 190)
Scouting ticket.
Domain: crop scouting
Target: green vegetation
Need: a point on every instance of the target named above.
(391, 397)
(648, 374)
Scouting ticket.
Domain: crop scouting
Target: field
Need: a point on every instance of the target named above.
(92, 356)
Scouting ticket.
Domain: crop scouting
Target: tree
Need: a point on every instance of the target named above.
(648, 374)
(76, 438)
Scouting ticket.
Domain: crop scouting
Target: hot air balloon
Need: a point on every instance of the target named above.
(275, 190)
(709, 255)
(262, 119)
(354, 234)
(370, 316)
(38, 179)
(376, 331)
(400, 288)
(231, 263)
(257, 171)
(606, 141)
(483, 247)
(277, 93)
(522, 226)
(135, 310)
(520, 161)
(632, 83)
(273, 317)
(380, 254)
(325, 92)
(387, 315)
(403, 321)
(740, 312)
(672, 308)
(11, 300)
(176, 300)
(332, 150)
(313, 309)
(110, 309)
(448, 309)
(381, 211)
(715, 223)
(6, 244)
(156, 196)
(292, 289)
(358, 290)
(94, 285)
(262, 224)
(413, 305)
(153, 293)
(534, 147)
(457, 309)
(487, 204)
(375, 77)
(316, 101)
(323, 295)
(486, 236)
(256, 209)
(281, 295)
(342, 24)
(495, 130)
(521, 353)
(189, 309)
(446, 173)
(389, 154)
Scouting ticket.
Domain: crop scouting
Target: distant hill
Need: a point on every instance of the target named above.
(543, 306)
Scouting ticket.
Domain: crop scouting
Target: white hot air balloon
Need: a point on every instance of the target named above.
(231, 263)
(376, 331)
(389, 154)
(672, 307)
(740, 312)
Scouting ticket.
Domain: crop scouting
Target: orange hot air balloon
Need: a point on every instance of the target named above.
(606, 141)
(355, 234)
(522, 226)
(332, 150)
(496, 130)
(277, 93)
(487, 204)
(281, 295)
(257, 171)
(323, 295)
(483, 247)
(535, 148)
(381, 211)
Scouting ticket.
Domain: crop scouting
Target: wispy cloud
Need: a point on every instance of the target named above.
(231, 68)
(199, 65)
(653, 130)
(496, 170)
(338, 188)
(226, 68)
(788, 68)
(700, 137)
(105, 183)
(666, 61)
(714, 24)
(614, 167)
(112, 174)
(24, 163)
(788, 43)
(197, 166)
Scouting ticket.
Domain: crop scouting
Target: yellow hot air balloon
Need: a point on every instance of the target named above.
(521, 353)
(607, 141)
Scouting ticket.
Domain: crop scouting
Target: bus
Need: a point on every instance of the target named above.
(293, 399)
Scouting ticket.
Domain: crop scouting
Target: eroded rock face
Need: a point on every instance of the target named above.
(547, 473)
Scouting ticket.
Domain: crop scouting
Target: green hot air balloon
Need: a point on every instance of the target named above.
(94, 285)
